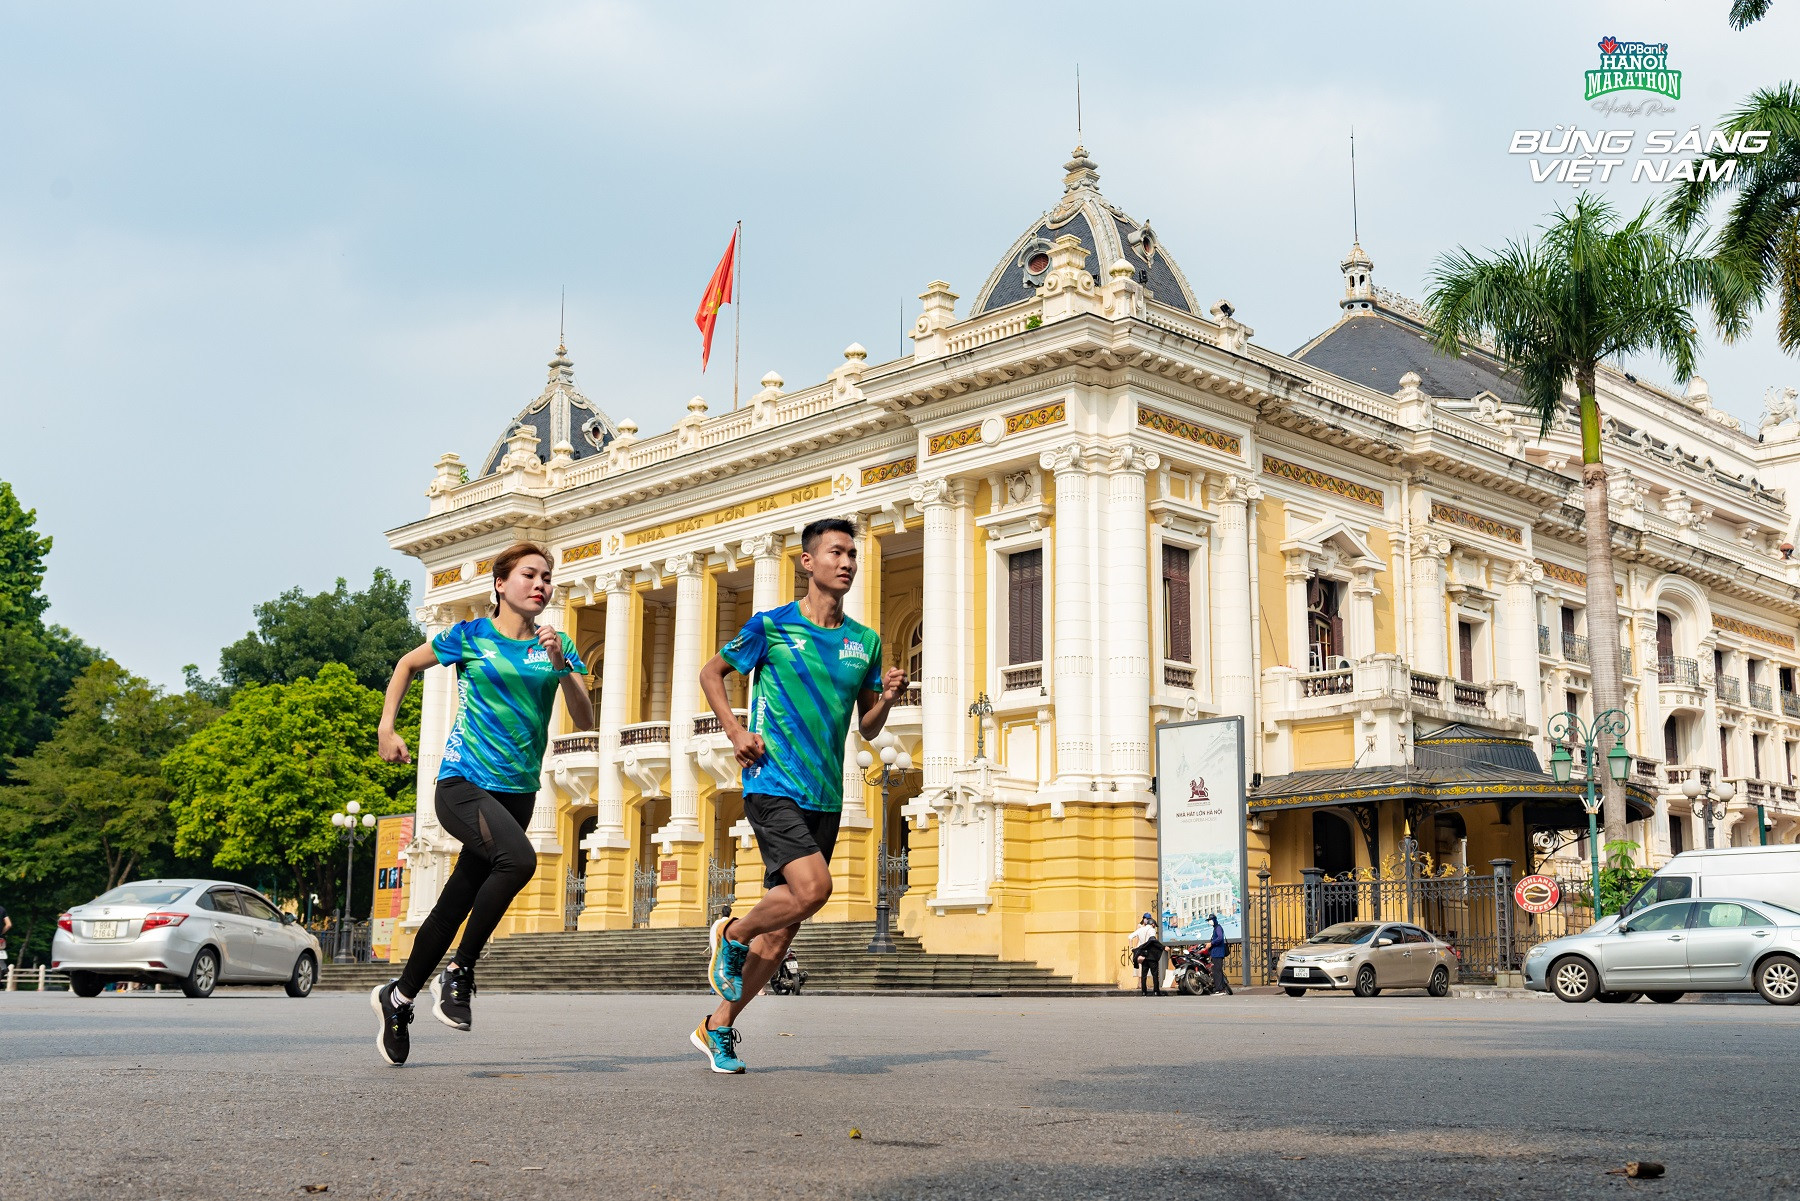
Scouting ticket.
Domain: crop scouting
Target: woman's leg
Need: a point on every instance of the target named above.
(500, 820)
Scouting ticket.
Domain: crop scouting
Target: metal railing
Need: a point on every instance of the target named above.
(643, 895)
(721, 887)
(915, 694)
(1762, 697)
(328, 932)
(1544, 640)
(1730, 689)
(574, 899)
(1790, 703)
(1672, 669)
(1328, 683)
(1021, 676)
(1178, 675)
(1575, 647)
(899, 873)
(37, 979)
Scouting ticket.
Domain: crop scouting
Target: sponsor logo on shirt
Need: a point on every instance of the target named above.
(537, 654)
(854, 650)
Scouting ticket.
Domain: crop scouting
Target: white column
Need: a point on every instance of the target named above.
(660, 620)
(856, 606)
(938, 499)
(683, 700)
(765, 551)
(1231, 601)
(1429, 630)
(1360, 632)
(615, 700)
(1518, 627)
(426, 866)
(1125, 612)
(1072, 667)
(541, 830)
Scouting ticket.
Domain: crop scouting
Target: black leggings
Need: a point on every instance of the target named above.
(1150, 969)
(496, 862)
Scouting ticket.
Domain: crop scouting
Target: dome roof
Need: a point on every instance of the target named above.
(560, 414)
(1108, 233)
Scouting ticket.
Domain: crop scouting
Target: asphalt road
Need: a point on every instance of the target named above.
(251, 1094)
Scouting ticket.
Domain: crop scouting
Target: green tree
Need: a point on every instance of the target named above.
(89, 808)
(297, 634)
(38, 663)
(1745, 13)
(256, 788)
(1588, 290)
(1756, 249)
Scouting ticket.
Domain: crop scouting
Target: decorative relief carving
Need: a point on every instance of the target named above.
(587, 550)
(953, 440)
(883, 472)
(1031, 419)
(1312, 477)
(1181, 427)
(1451, 515)
(484, 567)
(1760, 633)
(1567, 575)
(450, 575)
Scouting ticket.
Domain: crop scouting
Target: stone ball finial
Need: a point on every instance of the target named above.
(773, 380)
(1411, 379)
(855, 352)
(697, 406)
(1121, 270)
(628, 428)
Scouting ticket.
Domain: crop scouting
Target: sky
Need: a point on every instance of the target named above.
(261, 264)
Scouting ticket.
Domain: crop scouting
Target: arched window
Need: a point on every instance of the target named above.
(915, 651)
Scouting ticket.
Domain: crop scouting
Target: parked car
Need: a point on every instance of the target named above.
(1769, 874)
(1723, 944)
(1366, 957)
(196, 934)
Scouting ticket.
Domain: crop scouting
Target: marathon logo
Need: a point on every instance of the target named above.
(854, 650)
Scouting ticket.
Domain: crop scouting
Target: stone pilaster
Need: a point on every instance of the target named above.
(1232, 661)
(1125, 617)
(1072, 668)
(609, 846)
(1518, 627)
(943, 608)
(1430, 633)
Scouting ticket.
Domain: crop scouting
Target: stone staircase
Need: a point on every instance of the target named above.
(834, 956)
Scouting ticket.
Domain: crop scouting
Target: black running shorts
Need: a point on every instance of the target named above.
(786, 832)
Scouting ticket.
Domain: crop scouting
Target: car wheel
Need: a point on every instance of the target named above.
(1618, 998)
(203, 977)
(1440, 983)
(1294, 992)
(306, 974)
(1573, 980)
(1365, 982)
(1778, 980)
(86, 984)
(1665, 998)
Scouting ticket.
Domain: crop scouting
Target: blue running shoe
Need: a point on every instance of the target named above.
(725, 970)
(719, 1046)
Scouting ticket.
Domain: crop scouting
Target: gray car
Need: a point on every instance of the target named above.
(1366, 957)
(1664, 951)
(196, 934)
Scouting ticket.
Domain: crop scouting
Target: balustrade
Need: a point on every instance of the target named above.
(1021, 676)
(1762, 697)
(1673, 669)
(1575, 647)
(1178, 675)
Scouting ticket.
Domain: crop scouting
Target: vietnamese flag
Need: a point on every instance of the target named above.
(718, 295)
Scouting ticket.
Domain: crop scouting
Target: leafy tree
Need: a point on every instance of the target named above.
(256, 788)
(1745, 13)
(38, 663)
(296, 635)
(90, 807)
(1756, 249)
(1589, 289)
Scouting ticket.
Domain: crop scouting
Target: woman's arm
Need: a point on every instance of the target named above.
(393, 747)
(575, 696)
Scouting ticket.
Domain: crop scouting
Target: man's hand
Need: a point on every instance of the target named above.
(551, 641)
(893, 684)
(747, 747)
(393, 747)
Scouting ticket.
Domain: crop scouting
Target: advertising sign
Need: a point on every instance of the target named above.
(1200, 828)
(392, 833)
(1537, 894)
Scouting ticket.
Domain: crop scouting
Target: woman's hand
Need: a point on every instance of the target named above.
(551, 641)
(393, 747)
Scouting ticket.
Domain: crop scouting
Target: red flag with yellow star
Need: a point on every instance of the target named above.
(718, 295)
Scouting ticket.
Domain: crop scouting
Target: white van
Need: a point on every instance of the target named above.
(1753, 873)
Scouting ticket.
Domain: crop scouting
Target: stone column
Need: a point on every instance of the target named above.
(1518, 624)
(1072, 669)
(682, 901)
(1430, 635)
(609, 846)
(765, 551)
(942, 610)
(428, 855)
(1125, 612)
(1232, 664)
(1360, 630)
(856, 607)
(852, 865)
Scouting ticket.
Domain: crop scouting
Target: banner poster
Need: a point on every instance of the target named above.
(1200, 828)
(392, 833)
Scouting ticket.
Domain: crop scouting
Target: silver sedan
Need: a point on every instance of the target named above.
(1720, 944)
(1366, 957)
(196, 934)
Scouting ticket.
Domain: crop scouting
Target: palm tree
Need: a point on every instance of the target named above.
(1746, 12)
(1757, 247)
(1588, 290)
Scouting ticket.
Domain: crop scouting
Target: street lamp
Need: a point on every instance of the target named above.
(1566, 728)
(1708, 801)
(894, 764)
(350, 828)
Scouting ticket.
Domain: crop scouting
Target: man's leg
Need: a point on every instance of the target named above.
(806, 889)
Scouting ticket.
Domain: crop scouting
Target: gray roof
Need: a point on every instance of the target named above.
(1376, 349)
(560, 413)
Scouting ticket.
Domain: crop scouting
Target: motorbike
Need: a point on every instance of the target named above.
(789, 977)
(1193, 971)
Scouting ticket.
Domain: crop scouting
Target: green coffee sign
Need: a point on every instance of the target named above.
(1633, 67)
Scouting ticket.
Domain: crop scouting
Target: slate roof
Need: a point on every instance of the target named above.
(560, 413)
(1376, 349)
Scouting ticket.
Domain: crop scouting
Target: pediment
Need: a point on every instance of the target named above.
(1334, 543)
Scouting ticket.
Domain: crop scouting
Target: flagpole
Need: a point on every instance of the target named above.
(737, 312)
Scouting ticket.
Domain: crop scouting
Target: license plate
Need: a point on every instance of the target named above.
(106, 929)
(1302, 971)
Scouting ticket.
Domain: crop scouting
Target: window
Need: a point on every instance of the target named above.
(1756, 747)
(1664, 917)
(1568, 622)
(1724, 750)
(1465, 651)
(1677, 834)
(143, 894)
(1661, 888)
(1178, 604)
(1715, 914)
(1665, 636)
(257, 908)
(915, 652)
(1671, 741)
(1786, 677)
(1025, 606)
(224, 900)
(1572, 702)
(1324, 628)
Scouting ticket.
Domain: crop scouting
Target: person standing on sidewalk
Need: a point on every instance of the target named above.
(1216, 950)
(812, 665)
(509, 671)
(1147, 952)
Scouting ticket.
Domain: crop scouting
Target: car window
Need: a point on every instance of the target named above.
(256, 907)
(1347, 933)
(1714, 914)
(1660, 888)
(1666, 917)
(1414, 934)
(224, 900)
(143, 894)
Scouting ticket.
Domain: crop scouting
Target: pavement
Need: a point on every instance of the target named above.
(251, 1094)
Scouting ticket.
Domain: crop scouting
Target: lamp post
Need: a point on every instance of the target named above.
(1567, 728)
(1709, 801)
(350, 828)
(894, 764)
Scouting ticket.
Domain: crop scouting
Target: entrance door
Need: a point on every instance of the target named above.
(1334, 853)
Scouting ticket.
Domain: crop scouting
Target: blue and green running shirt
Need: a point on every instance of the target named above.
(506, 690)
(807, 682)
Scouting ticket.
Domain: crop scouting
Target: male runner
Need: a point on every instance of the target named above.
(812, 664)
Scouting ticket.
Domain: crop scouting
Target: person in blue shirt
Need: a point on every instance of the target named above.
(1216, 950)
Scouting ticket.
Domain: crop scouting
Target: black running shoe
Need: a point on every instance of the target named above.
(394, 1041)
(451, 994)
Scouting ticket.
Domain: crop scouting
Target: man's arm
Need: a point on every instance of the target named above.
(747, 747)
(874, 706)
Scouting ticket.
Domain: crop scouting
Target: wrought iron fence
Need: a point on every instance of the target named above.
(328, 933)
(1730, 689)
(1674, 669)
(643, 895)
(1575, 647)
(1544, 640)
(721, 887)
(898, 873)
(1762, 696)
(574, 899)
